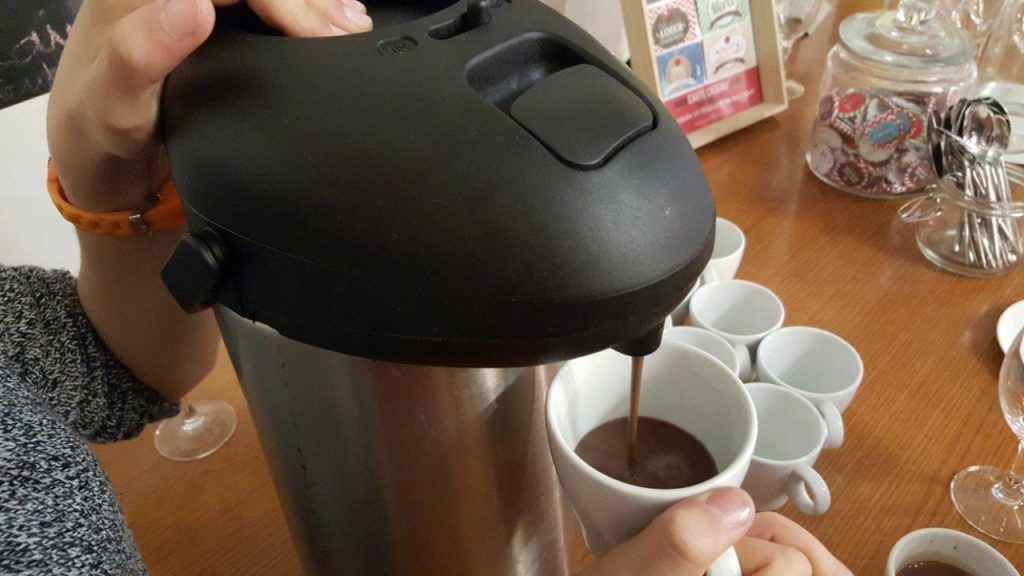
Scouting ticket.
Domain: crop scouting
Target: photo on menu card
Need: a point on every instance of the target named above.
(705, 60)
(672, 23)
(729, 51)
(681, 69)
(717, 15)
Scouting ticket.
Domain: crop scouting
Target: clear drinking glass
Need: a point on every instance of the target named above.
(990, 498)
(795, 18)
(197, 431)
(978, 17)
(1001, 69)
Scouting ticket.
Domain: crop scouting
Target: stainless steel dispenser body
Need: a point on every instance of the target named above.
(398, 469)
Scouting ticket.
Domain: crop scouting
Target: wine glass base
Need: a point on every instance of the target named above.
(975, 497)
(210, 424)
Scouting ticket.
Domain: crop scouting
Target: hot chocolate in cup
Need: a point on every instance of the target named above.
(682, 386)
(949, 547)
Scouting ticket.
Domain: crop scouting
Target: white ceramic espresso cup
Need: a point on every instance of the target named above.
(681, 385)
(741, 312)
(817, 365)
(955, 548)
(790, 436)
(714, 345)
(727, 253)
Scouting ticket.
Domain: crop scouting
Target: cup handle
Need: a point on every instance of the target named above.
(808, 490)
(728, 564)
(708, 276)
(834, 424)
(746, 364)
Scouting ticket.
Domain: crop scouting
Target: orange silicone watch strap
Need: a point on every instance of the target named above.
(164, 214)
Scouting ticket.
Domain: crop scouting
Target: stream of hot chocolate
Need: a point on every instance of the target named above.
(634, 403)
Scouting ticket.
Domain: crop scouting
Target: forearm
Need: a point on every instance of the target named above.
(119, 283)
(121, 291)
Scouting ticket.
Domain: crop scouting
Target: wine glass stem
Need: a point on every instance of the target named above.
(787, 47)
(1011, 490)
(190, 419)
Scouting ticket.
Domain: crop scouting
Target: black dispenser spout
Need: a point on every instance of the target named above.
(643, 345)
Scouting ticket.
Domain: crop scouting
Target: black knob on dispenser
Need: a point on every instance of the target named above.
(193, 271)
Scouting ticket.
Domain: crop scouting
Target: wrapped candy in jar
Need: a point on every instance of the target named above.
(886, 74)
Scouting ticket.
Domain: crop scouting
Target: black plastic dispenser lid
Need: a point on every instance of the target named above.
(461, 188)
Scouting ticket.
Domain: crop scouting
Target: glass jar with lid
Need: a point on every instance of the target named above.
(888, 71)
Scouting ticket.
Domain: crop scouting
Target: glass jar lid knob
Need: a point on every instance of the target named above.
(915, 34)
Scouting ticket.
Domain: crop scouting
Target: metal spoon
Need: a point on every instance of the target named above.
(935, 142)
(986, 124)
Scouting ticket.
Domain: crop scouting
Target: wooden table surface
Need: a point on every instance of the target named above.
(928, 406)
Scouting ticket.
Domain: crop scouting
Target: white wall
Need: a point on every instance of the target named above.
(31, 230)
(601, 18)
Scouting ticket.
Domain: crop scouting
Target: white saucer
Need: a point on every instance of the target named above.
(1010, 324)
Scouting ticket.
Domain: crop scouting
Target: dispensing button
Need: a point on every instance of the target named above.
(478, 13)
(583, 115)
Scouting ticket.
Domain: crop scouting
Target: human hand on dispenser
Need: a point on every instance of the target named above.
(689, 536)
(102, 121)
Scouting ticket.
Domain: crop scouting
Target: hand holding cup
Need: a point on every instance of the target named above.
(682, 386)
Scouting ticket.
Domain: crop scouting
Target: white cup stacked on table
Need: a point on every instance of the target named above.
(817, 365)
(809, 376)
(719, 309)
(712, 344)
(727, 254)
(740, 312)
(792, 433)
(790, 437)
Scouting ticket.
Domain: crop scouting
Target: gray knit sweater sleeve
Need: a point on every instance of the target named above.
(61, 387)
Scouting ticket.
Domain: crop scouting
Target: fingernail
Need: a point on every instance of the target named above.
(733, 506)
(180, 18)
(356, 5)
(358, 18)
(337, 31)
